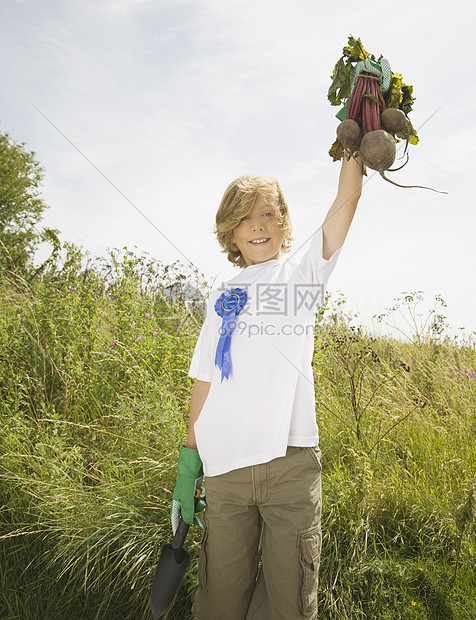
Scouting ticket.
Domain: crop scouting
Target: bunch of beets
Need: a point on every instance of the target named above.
(370, 127)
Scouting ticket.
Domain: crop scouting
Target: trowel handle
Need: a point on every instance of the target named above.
(180, 534)
(183, 527)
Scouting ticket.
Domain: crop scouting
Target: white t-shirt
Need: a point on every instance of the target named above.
(268, 401)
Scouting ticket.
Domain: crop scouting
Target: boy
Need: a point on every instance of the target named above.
(252, 410)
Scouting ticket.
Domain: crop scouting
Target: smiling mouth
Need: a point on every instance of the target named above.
(260, 241)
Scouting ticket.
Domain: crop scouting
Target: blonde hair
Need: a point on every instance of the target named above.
(237, 202)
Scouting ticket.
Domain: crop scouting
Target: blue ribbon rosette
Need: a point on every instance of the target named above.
(228, 306)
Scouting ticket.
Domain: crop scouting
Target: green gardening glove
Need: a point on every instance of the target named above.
(189, 479)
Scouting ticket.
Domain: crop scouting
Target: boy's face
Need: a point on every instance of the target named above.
(258, 235)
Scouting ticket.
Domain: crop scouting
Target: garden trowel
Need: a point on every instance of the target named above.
(173, 562)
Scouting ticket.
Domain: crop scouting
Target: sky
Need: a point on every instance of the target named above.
(143, 111)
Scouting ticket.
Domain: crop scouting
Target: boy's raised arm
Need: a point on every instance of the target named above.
(339, 217)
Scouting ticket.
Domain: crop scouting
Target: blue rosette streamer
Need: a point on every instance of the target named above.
(227, 306)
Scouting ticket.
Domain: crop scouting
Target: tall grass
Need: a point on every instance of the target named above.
(397, 426)
(94, 399)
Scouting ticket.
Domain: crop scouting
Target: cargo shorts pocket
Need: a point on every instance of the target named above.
(203, 561)
(315, 454)
(310, 542)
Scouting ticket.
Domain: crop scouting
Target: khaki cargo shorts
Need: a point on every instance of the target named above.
(261, 546)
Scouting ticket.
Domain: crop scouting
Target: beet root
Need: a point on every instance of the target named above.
(394, 121)
(378, 150)
(349, 135)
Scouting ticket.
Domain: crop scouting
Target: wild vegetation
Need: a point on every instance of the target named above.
(94, 398)
(94, 407)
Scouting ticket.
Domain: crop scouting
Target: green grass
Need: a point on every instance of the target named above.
(94, 400)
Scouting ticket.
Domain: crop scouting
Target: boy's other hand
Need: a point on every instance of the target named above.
(189, 478)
